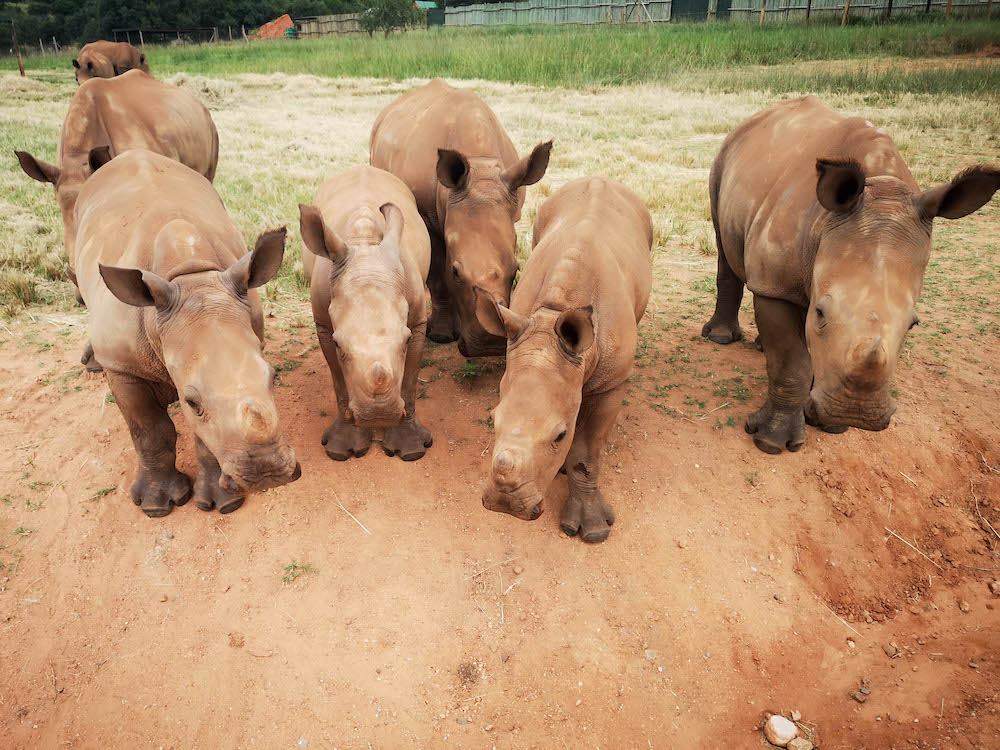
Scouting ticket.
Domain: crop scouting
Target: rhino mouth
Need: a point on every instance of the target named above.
(482, 346)
(523, 502)
(254, 475)
(383, 413)
(872, 414)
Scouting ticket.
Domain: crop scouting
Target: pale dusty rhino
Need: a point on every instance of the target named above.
(450, 149)
(366, 254)
(174, 313)
(571, 331)
(108, 59)
(819, 216)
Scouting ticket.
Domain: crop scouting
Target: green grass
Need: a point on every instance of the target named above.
(606, 55)
(293, 570)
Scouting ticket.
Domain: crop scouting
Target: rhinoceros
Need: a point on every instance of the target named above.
(108, 59)
(450, 149)
(109, 117)
(174, 313)
(366, 256)
(819, 216)
(571, 334)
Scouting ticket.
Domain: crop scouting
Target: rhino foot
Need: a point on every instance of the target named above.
(343, 440)
(157, 493)
(208, 495)
(587, 515)
(773, 430)
(721, 332)
(89, 361)
(813, 421)
(440, 326)
(409, 440)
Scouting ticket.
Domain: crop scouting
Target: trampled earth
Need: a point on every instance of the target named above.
(376, 603)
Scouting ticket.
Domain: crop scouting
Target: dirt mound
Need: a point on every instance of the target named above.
(275, 29)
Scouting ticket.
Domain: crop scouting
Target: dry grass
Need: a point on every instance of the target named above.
(282, 135)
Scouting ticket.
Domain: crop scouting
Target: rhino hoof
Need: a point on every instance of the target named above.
(409, 440)
(157, 497)
(590, 517)
(343, 440)
(721, 333)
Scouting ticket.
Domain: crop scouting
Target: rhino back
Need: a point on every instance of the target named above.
(120, 213)
(408, 133)
(135, 110)
(763, 187)
(592, 247)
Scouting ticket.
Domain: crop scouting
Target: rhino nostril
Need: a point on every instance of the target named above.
(298, 471)
(536, 512)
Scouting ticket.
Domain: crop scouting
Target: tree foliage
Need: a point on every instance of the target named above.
(80, 21)
(389, 15)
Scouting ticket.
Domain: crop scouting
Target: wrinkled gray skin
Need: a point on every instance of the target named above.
(571, 331)
(366, 254)
(818, 215)
(174, 314)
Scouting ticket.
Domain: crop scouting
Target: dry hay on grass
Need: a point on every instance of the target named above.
(215, 92)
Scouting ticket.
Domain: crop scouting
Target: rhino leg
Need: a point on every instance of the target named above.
(208, 493)
(158, 486)
(89, 361)
(724, 325)
(780, 423)
(409, 439)
(586, 512)
(343, 438)
(442, 327)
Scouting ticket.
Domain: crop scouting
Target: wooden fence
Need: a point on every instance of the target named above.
(559, 12)
(342, 23)
(774, 10)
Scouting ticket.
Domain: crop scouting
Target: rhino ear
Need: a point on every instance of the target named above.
(142, 59)
(575, 329)
(318, 237)
(259, 266)
(841, 184)
(452, 169)
(530, 169)
(968, 192)
(98, 157)
(76, 63)
(139, 288)
(497, 319)
(393, 226)
(37, 169)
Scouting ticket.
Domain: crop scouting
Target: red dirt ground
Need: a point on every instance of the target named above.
(733, 584)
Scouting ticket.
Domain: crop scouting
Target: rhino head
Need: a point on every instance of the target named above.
(207, 338)
(67, 182)
(540, 396)
(368, 311)
(94, 65)
(874, 244)
(480, 239)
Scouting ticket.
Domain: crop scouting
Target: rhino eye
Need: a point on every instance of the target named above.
(560, 436)
(194, 404)
(819, 313)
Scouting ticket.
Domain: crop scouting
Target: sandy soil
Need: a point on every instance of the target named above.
(733, 584)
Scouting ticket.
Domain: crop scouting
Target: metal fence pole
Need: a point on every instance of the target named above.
(809, 7)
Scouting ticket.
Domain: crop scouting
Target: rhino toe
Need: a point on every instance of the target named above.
(158, 495)
(721, 333)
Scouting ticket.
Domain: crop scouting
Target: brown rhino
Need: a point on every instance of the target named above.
(174, 311)
(108, 59)
(571, 331)
(450, 149)
(819, 216)
(366, 256)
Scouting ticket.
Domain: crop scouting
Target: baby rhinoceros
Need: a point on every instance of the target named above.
(174, 312)
(366, 256)
(571, 337)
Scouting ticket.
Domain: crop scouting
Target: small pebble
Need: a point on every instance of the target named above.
(303, 742)
(488, 728)
(796, 716)
(860, 697)
(973, 663)
(650, 654)
(866, 691)
(850, 644)
(579, 701)
(682, 543)
(163, 598)
(890, 650)
(462, 720)
(964, 606)
(780, 731)
(800, 743)
(995, 588)
(518, 570)
(914, 609)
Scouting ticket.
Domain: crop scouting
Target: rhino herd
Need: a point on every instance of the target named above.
(815, 212)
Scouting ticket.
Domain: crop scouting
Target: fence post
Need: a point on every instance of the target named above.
(847, 8)
(243, 28)
(888, 10)
(41, 47)
(17, 49)
(142, 42)
(947, 10)
(763, 7)
(989, 9)
(809, 7)
(928, 8)
(230, 33)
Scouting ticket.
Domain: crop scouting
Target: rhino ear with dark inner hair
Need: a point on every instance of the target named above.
(259, 266)
(318, 237)
(452, 169)
(98, 157)
(841, 184)
(76, 63)
(37, 169)
(497, 319)
(575, 329)
(393, 225)
(138, 288)
(968, 192)
(530, 169)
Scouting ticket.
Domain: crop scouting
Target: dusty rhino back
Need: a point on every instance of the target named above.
(408, 133)
(763, 188)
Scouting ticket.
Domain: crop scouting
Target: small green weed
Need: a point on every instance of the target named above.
(293, 570)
